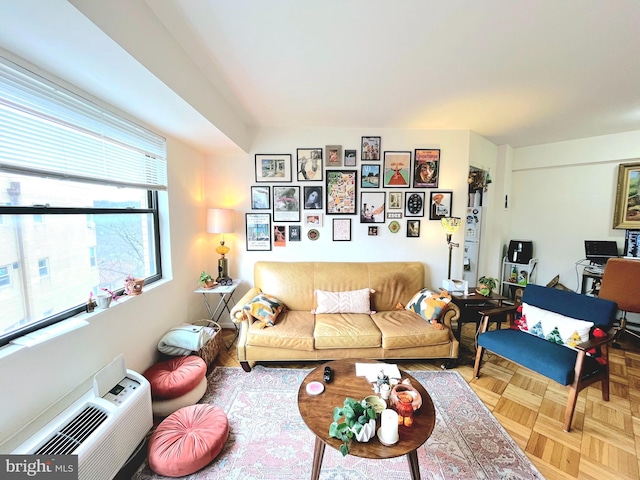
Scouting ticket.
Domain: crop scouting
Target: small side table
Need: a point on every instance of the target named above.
(472, 304)
(226, 295)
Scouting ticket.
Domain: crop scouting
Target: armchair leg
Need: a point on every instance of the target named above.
(571, 407)
(476, 367)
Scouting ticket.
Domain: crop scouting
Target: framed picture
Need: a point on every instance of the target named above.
(370, 148)
(333, 155)
(309, 161)
(273, 168)
(414, 206)
(312, 198)
(440, 205)
(372, 207)
(261, 198)
(627, 208)
(341, 192)
(395, 200)
(394, 215)
(313, 219)
(286, 204)
(396, 169)
(294, 233)
(349, 158)
(258, 231)
(279, 236)
(413, 228)
(372, 231)
(426, 166)
(632, 244)
(341, 229)
(369, 176)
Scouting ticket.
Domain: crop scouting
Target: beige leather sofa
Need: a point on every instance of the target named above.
(299, 335)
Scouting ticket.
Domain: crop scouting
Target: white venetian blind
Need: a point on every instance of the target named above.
(48, 130)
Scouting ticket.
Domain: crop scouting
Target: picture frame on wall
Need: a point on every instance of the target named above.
(627, 207)
(440, 204)
(413, 228)
(396, 169)
(261, 197)
(370, 148)
(350, 158)
(309, 164)
(273, 168)
(333, 154)
(312, 197)
(341, 229)
(414, 206)
(313, 219)
(341, 192)
(369, 176)
(279, 236)
(395, 201)
(258, 231)
(372, 207)
(426, 167)
(294, 233)
(286, 203)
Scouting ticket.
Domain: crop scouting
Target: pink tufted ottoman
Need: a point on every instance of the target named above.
(176, 383)
(188, 440)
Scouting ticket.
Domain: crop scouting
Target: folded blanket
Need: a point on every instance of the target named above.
(184, 339)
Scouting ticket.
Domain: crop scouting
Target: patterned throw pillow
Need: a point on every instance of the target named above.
(429, 304)
(264, 308)
(554, 327)
(354, 301)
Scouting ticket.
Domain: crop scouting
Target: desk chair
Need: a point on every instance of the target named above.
(621, 284)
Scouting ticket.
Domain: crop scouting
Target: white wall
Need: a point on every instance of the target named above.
(564, 193)
(31, 379)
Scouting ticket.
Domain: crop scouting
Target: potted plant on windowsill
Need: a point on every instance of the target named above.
(486, 285)
(206, 280)
(359, 421)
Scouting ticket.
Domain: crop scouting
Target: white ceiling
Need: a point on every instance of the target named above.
(210, 71)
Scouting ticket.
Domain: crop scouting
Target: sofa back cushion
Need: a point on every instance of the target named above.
(294, 283)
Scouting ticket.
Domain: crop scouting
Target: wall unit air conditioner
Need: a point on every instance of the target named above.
(103, 427)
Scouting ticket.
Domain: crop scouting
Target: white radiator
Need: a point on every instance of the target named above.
(102, 429)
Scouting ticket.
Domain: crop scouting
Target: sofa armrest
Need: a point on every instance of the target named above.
(488, 313)
(238, 314)
(451, 313)
(595, 342)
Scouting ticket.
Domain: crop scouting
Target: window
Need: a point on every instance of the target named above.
(74, 179)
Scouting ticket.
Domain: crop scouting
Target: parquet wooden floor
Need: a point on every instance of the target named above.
(604, 442)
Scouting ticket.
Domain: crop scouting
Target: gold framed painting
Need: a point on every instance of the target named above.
(627, 207)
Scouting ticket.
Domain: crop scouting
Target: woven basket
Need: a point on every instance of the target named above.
(210, 350)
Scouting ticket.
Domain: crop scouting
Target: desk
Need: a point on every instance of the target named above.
(470, 305)
(596, 279)
(226, 295)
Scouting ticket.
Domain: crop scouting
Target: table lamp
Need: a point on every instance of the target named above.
(450, 225)
(220, 220)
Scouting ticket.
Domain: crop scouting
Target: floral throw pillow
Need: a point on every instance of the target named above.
(265, 308)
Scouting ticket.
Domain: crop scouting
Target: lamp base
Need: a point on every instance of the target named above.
(223, 272)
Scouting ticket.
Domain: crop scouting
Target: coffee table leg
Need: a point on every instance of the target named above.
(318, 454)
(414, 468)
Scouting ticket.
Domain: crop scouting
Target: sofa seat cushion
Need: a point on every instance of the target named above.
(293, 330)
(346, 330)
(549, 359)
(405, 329)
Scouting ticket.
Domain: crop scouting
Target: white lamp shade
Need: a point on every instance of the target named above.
(219, 220)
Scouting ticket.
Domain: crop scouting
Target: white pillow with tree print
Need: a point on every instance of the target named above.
(556, 328)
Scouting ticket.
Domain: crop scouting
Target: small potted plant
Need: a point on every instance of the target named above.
(359, 420)
(133, 285)
(486, 285)
(206, 280)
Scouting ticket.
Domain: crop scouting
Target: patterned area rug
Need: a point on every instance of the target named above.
(269, 440)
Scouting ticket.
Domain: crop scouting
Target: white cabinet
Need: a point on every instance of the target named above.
(516, 275)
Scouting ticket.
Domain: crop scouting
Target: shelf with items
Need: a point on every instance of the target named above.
(516, 275)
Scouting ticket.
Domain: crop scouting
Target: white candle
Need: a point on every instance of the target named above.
(389, 426)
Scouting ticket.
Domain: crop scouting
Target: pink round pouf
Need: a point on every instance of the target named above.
(188, 440)
(175, 377)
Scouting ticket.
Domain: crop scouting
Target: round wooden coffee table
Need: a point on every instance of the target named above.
(317, 413)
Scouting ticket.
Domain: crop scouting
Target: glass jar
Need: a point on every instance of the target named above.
(404, 407)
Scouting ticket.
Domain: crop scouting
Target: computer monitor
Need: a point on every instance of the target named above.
(599, 251)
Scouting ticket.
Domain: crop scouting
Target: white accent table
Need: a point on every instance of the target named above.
(226, 295)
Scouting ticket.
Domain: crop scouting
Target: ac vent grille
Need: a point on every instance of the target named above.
(66, 440)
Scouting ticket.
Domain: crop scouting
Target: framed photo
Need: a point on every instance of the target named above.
(273, 168)
(426, 166)
(372, 231)
(396, 169)
(286, 204)
(309, 161)
(413, 228)
(369, 176)
(395, 200)
(279, 236)
(370, 148)
(372, 207)
(294, 233)
(349, 158)
(341, 192)
(258, 231)
(313, 219)
(394, 215)
(334, 155)
(440, 205)
(341, 229)
(312, 198)
(627, 208)
(261, 198)
(414, 206)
